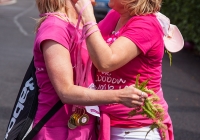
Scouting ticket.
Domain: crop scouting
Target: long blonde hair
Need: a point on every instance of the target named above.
(49, 6)
(142, 7)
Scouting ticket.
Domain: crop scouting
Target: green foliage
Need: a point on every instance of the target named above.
(185, 15)
(150, 109)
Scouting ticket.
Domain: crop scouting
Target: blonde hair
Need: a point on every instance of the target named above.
(49, 6)
(142, 7)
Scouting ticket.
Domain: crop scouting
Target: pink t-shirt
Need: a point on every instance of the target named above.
(147, 34)
(62, 32)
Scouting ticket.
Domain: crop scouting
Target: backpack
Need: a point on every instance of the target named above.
(25, 107)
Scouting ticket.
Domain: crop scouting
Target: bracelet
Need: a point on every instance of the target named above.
(91, 32)
(86, 27)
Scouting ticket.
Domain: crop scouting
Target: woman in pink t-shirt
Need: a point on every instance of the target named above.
(63, 72)
(130, 42)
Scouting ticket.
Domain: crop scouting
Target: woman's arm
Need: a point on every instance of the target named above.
(106, 58)
(59, 68)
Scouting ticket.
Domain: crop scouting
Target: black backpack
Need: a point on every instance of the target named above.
(25, 107)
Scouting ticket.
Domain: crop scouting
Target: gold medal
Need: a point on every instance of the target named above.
(83, 119)
(78, 118)
(71, 126)
(79, 114)
(71, 121)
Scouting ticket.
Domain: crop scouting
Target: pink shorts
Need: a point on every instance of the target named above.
(86, 132)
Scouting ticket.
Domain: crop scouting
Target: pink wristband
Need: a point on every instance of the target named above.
(86, 27)
(91, 32)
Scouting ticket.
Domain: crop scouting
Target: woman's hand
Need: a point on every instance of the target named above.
(132, 97)
(85, 9)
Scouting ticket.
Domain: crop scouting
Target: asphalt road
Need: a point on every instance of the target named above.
(181, 81)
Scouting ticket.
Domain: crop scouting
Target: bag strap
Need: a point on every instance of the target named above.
(41, 123)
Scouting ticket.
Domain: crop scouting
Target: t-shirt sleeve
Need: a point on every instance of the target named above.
(107, 25)
(55, 33)
(139, 30)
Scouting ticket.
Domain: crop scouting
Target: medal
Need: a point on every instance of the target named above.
(71, 126)
(71, 122)
(78, 118)
(83, 119)
(79, 113)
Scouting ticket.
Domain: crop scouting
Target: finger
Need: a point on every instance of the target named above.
(137, 99)
(141, 99)
(137, 94)
(137, 91)
(137, 103)
(142, 94)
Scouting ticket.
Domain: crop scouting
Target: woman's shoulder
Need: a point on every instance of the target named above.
(112, 13)
(150, 18)
(149, 22)
(112, 16)
(53, 21)
(54, 25)
(108, 24)
(53, 28)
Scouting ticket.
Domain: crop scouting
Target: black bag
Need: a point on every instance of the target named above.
(25, 107)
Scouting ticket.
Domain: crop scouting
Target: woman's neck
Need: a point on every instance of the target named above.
(70, 12)
(122, 21)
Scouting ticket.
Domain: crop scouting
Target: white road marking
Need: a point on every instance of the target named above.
(15, 19)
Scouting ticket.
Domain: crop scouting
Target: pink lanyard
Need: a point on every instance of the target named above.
(55, 13)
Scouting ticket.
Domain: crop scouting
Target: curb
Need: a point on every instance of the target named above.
(7, 2)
